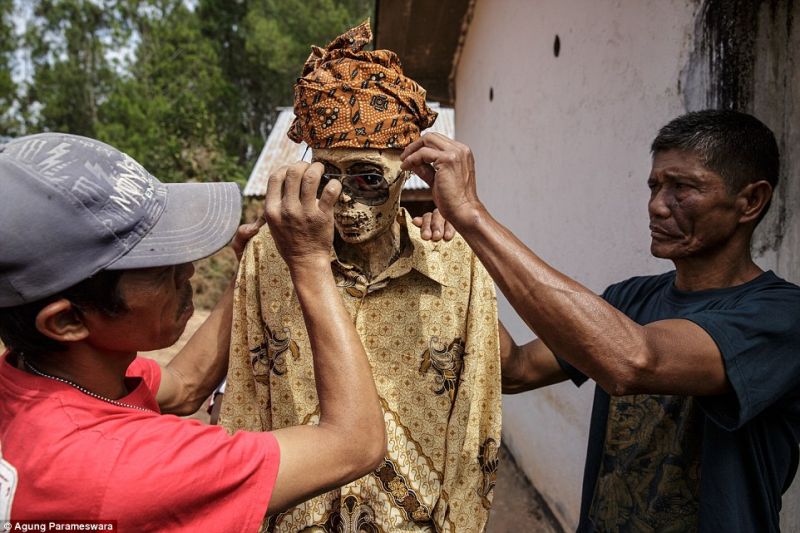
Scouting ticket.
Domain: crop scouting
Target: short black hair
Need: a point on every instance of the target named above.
(735, 145)
(18, 324)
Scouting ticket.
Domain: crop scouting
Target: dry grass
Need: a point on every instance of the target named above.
(211, 278)
(213, 274)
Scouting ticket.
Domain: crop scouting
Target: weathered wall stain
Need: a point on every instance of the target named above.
(743, 59)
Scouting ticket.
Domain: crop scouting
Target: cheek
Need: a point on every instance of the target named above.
(685, 213)
(365, 219)
(381, 216)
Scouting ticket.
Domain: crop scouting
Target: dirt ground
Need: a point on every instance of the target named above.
(518, 507)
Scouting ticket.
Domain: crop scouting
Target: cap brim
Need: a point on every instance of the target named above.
(198, 220)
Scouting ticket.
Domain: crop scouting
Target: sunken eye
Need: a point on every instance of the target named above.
(361, 168)
(371, 179)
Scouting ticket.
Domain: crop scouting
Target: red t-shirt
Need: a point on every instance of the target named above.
(80, 458)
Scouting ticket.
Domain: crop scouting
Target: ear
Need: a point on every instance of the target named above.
(753, 199)
(61, 322)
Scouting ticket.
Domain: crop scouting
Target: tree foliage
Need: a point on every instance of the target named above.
(190, 89)
(8, 91)
(263, 45)
(68, 40)
(165, 112)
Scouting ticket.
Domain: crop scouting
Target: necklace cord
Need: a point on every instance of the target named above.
(84, 390)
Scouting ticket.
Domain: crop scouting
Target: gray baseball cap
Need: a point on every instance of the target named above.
(71, 206)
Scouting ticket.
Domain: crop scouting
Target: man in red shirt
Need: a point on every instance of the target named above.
(95, 261)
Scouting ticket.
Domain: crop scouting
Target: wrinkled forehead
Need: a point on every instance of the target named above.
(344, 158)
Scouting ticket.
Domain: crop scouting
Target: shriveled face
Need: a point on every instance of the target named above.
(371, 184)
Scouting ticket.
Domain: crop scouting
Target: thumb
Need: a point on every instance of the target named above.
(329, 195)
(244, 233)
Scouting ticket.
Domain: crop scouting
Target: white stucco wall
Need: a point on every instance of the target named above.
(562, 154)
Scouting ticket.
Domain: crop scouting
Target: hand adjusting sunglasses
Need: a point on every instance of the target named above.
(368, 189)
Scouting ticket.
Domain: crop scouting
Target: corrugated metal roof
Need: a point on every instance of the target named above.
(279, 150)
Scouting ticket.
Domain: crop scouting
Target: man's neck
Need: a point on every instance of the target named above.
(371, 258)
(102, 374)
(727, 268)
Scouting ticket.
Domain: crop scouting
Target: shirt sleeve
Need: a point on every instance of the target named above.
(240, 406)
(148, 370)
(760, 345)
(180, 475)
(473, 433)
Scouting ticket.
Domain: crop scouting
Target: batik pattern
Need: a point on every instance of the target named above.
(442, 417)
(351, 98)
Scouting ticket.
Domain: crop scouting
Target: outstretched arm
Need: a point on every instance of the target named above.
(669, 357)
(527, 367)
(350, 439)
(201, 364)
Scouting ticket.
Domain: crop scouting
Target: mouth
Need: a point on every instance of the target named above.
(657, 232)
(347, 220)
(187, 305)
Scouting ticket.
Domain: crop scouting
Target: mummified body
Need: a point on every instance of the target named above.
(425, 312)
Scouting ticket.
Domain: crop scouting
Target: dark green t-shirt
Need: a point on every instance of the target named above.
(714, 463)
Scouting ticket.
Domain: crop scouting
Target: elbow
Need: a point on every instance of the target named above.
(359, 444)
(372, 449)
(630, 376)
(186, 403)
(376, 453)
(367, 451)
(186, 408)
(618, 387)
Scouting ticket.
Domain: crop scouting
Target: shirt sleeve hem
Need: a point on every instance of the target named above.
(729, 410)
(575, 375)
(265, 485)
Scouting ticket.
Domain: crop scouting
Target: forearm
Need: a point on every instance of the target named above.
(346, 390)
(572, 321)
(202, 363)
(530, 367)
(350, 439)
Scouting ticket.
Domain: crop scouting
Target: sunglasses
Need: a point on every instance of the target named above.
(367, 189)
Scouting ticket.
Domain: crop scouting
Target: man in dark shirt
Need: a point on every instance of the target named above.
(696, 416)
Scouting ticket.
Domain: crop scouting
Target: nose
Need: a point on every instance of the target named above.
(345, 197)
(658, 206)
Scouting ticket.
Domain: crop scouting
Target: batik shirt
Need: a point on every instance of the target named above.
(429, 327)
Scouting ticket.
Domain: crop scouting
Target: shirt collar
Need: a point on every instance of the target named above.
(420, 255)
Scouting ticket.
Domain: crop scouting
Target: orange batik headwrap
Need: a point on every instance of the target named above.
(350, 98)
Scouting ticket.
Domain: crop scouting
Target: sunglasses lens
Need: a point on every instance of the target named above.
(369, 189)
